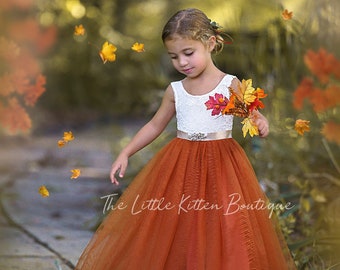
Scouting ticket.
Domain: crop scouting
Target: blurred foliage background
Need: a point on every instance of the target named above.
(63, 82)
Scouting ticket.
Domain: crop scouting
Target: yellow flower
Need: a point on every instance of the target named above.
(43, 191)
(68, 136)
(79, 30)
(301, 126)
(107, 52)
(249, 126)
(75, 173)
(138, 47)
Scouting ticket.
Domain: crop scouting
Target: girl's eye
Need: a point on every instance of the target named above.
(189, 53)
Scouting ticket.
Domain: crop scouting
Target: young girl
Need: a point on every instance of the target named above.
(197, 204)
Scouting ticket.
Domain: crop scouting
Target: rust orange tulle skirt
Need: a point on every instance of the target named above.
(194, 206)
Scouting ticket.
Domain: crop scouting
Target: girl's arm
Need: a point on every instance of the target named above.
(146, 134)
(261, 122)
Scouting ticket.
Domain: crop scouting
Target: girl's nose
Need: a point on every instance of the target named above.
(183, 61)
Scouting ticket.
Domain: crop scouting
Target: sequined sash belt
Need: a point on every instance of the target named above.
(204, 136)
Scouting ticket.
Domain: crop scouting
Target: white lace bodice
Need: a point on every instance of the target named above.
(192, 114)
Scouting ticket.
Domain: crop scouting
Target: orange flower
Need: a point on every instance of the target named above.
(43, 191)
(331, 131)
(33, 92)
(304, 90)
(286, 15)
(322, 64)
(302, 126)
(75, 173)
(79, 30)
(14, 117)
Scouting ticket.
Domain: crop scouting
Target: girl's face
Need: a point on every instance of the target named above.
(190, 57)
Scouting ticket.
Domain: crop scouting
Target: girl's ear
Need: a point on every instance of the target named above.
(211, 43)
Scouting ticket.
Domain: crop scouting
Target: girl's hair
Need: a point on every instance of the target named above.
(194, 24)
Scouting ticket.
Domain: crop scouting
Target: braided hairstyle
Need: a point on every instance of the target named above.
(193, 24)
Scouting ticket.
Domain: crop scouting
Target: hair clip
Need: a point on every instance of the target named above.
(216, 28)
(214, 25)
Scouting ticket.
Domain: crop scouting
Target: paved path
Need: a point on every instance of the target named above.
(50, 233)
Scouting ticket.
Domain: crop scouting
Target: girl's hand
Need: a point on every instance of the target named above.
(261, 122)
(119, 166)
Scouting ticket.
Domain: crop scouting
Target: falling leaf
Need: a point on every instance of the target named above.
(286, 15)
(302, 126)
(305, 203)
(75, 173)
(249, 126)
(61, 143)
(318, 196)
(68, 136)
(138, 47)
(108, 52)
(79, 30)
(43, 191)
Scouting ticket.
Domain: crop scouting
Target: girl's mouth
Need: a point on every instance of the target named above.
(188, 70)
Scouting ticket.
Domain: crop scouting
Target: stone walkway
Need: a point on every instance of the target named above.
(50, 233)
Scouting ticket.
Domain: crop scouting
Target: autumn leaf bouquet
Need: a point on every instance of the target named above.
(242, 102)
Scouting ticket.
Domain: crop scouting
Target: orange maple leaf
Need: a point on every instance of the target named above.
(301, 126)
(79, 30)
(286, 15)
(75, 173)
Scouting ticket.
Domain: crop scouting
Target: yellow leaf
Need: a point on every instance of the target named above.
(68, 136)
(138, 47)
(108, 52)
(75, 173)
(301, 126)
(318, 196)
(61, 143)
(305, 204)
(247, 91)
(79, 30)
(249, 126)
(43, 191)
